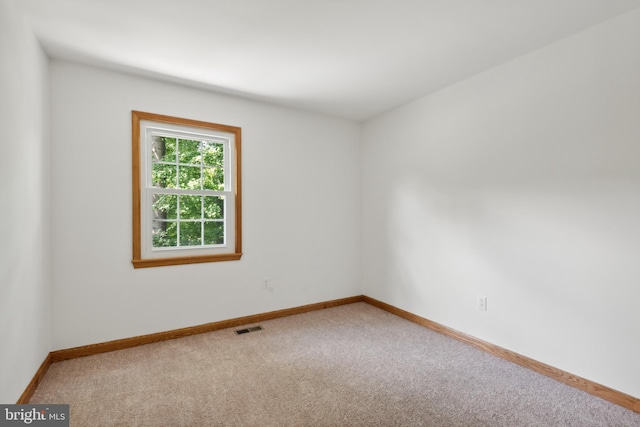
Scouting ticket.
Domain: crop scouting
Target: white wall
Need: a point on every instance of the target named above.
(301, 176)
(24, 206)
(521, 184)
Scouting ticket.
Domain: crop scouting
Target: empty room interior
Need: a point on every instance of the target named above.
(471, 164)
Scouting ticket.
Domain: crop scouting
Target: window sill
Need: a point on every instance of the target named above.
(160, 262)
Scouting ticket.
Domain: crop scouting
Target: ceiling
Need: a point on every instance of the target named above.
(348, 58)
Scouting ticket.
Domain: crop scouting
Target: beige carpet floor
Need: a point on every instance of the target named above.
(353, 365)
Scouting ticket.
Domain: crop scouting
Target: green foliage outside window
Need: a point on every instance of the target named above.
(187, 219)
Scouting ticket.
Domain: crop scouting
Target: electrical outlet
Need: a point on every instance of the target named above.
(482, 303)
(267, 285)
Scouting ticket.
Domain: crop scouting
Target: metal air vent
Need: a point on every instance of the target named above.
(247, 330)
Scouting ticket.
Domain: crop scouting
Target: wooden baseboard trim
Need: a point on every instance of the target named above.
(91, 349)
(575, 381)
(33, 385)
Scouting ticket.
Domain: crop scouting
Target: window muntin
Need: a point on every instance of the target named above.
(188, 191)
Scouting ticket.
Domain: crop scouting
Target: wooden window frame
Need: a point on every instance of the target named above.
(235, 247)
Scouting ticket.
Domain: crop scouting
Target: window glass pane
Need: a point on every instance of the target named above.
(189, 177)
(212, 154)
(213, 179)
(214, 233)
(163, 175)
(214, 207)
(190, 207)
(164, 234)
(165, 206)
(189, 151)
(163, 149)
(190, 233)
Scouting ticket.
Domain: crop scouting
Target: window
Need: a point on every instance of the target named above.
(186, 191)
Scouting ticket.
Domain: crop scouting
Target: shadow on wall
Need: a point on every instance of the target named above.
(554, 250)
